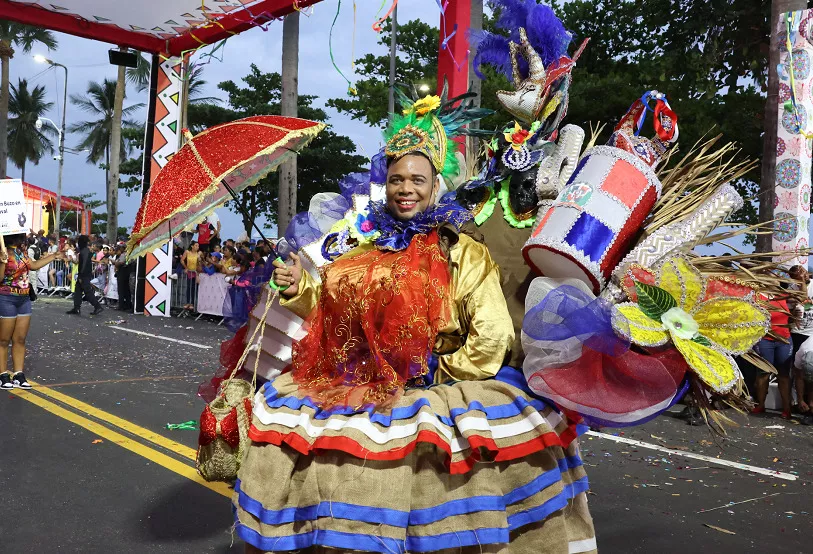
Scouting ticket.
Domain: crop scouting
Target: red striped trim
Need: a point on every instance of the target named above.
(352, 447)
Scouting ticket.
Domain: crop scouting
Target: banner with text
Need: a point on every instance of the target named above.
(13, 218)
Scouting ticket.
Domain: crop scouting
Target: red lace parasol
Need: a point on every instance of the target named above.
(197, 179)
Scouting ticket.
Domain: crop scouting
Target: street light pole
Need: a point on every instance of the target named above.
(58, 213)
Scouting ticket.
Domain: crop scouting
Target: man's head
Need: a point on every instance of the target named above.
(82, 241)
(412, 186)
(799, 272)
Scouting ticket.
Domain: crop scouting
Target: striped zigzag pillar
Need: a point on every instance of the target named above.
(166, 141)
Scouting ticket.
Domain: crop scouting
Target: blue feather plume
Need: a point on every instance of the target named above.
(546, 33)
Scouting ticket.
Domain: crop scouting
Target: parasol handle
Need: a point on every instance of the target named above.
(272, 284)
(243, 211)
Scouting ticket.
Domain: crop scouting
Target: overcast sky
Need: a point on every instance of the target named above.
(87, 61)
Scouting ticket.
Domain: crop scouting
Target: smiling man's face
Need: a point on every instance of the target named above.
(411, 186)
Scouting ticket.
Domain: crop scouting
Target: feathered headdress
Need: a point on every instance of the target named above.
(426, 126)
(546, 35)
(534, 56)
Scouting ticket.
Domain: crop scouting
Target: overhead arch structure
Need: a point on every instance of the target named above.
(170, 27)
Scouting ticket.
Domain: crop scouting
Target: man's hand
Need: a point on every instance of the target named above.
(288, 275)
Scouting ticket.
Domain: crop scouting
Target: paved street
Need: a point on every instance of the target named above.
(89, 465)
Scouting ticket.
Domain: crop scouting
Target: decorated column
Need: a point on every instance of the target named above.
(166, 141)
(794, 146)
(453, 63)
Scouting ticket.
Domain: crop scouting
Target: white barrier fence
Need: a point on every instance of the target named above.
(212, 291)
(208, 291)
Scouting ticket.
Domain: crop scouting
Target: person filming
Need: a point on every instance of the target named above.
(15, 305)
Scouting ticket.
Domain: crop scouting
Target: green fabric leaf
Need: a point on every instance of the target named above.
(654, 301)
(700, 339)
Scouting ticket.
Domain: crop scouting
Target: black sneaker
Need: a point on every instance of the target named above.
(73, 312)
(20, 381)
(5, 381)
(97, 311)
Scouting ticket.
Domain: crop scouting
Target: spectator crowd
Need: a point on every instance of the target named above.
(197, 252)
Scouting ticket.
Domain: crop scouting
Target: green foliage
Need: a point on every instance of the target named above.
(417, 65)
(98, 102)
(26, 143)
(654, 301)
(328, 158)
(98, 220)
(709, 56)
(26, 36)
(130, 170)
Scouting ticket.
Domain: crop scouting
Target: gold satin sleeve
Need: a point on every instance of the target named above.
(483, 322)
(306, 297)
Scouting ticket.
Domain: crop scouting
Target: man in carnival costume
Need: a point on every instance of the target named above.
(397, 428)
(392, 422)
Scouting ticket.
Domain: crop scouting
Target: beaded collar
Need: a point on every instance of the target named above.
(396, 235)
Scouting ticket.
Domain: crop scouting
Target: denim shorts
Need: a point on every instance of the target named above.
(14, 305)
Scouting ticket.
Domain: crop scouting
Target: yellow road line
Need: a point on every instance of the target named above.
(128, 426)
(136, 447)
(108, 381)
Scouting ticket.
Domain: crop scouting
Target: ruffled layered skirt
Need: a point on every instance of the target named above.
(481, 466)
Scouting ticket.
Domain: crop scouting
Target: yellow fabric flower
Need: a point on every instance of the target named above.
(424, 105)
(707, 332)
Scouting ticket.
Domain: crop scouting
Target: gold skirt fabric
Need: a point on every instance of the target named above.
(474, 466)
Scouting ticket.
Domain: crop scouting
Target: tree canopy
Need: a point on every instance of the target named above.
(328, 158)
(708, 56)
(26, 143)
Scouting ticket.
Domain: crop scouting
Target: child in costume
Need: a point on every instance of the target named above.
(398, 429)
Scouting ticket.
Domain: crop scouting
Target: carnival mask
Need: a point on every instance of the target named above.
(543, 94)
(519, 167)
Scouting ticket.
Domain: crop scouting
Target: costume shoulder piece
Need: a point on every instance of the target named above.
(617, 268)
(528, 155)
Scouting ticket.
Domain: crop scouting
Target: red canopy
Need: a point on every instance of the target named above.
(35, 192)
(158, 26)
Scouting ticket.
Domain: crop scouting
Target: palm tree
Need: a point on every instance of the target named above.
(99, 133)
(25, 37)
(193, 85)
(140, 77)
(26, 143)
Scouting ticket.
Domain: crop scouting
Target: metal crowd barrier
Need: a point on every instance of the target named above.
(180, 296)
(55, 278)
(58, 277)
